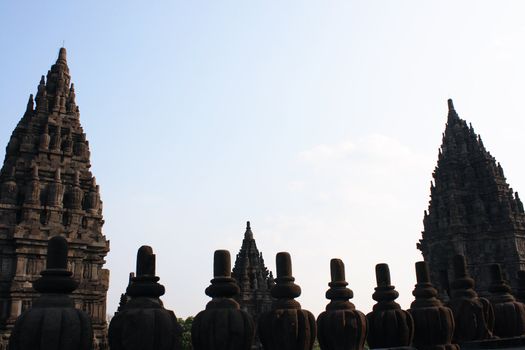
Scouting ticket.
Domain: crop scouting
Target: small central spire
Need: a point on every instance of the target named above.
(248, 234)
(452, 114)
(450, 105)
(62, 56)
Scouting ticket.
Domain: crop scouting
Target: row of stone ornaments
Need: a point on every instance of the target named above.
(144, 324)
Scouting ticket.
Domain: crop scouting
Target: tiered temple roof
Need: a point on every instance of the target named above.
(472, 210)
(47, 189)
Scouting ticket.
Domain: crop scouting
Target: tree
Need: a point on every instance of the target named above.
(186, 332)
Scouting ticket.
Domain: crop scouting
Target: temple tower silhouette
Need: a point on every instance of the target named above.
(472, 211)
(253, 278)
(47, 189)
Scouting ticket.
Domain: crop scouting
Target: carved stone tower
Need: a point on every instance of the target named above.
(253, 278)
(46, 189)
(472, 211)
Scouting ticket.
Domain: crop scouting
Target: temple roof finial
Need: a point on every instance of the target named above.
(450, 105)
(62, 56)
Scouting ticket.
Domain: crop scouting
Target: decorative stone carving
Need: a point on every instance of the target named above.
(341, 326)
(56, 140)
(67, 144)
(55, 191)
(41, 215)
(493, 227)
(509, 315)
(9, 189)
(287, 326)
(53, 323)
(223, 325)
(144, 323)
(433, 322)
(32, 193)
(93, 198)
(473, 316)
(76, 194)
(388, 325)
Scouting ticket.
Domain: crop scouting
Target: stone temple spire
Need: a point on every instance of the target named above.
(472, 210)
(47, 190)
(253, 278)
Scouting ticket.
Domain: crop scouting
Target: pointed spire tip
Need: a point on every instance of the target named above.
(62, 55)
(450, 105)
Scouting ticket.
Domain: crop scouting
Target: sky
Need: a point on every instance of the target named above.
(318, 121)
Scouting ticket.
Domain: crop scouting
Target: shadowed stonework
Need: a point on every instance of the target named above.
(48, 190)
(472, 212)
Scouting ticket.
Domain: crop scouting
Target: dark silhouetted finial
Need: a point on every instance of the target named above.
(433, 322)
(473, 316)
(143, 322)
(450, 105)
(30, 104)
(53, 322)
(509, 315)
(341, 326)
(209, 331)
(389, 326)
(287, 326)
(62, 56)
(145, 261)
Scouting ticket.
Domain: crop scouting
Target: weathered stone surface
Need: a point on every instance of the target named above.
(388, 325)
(509, 314)
(341, 326)
(143, 323)
(223, 325)
(53, 323)
(472, 211)
(473, 316)
(44, 188)
(286, 326)
(433, 322)
(520, 290)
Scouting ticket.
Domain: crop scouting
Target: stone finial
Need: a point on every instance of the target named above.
(143, 323)
(286, 326)
(145, 284)
(248, 234)
(53, 322)
(473, 316)
(450, 105)
(62, 56)
(222, 325)
(93, 197)
(388, 325)
(452, 114)
(30, 105)
(433, 322)
(509, 315)
(341, 326)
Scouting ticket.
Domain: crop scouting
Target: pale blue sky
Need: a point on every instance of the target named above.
(319, 121)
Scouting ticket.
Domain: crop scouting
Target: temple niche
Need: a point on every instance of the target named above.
(472, 212)
(47, 189)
